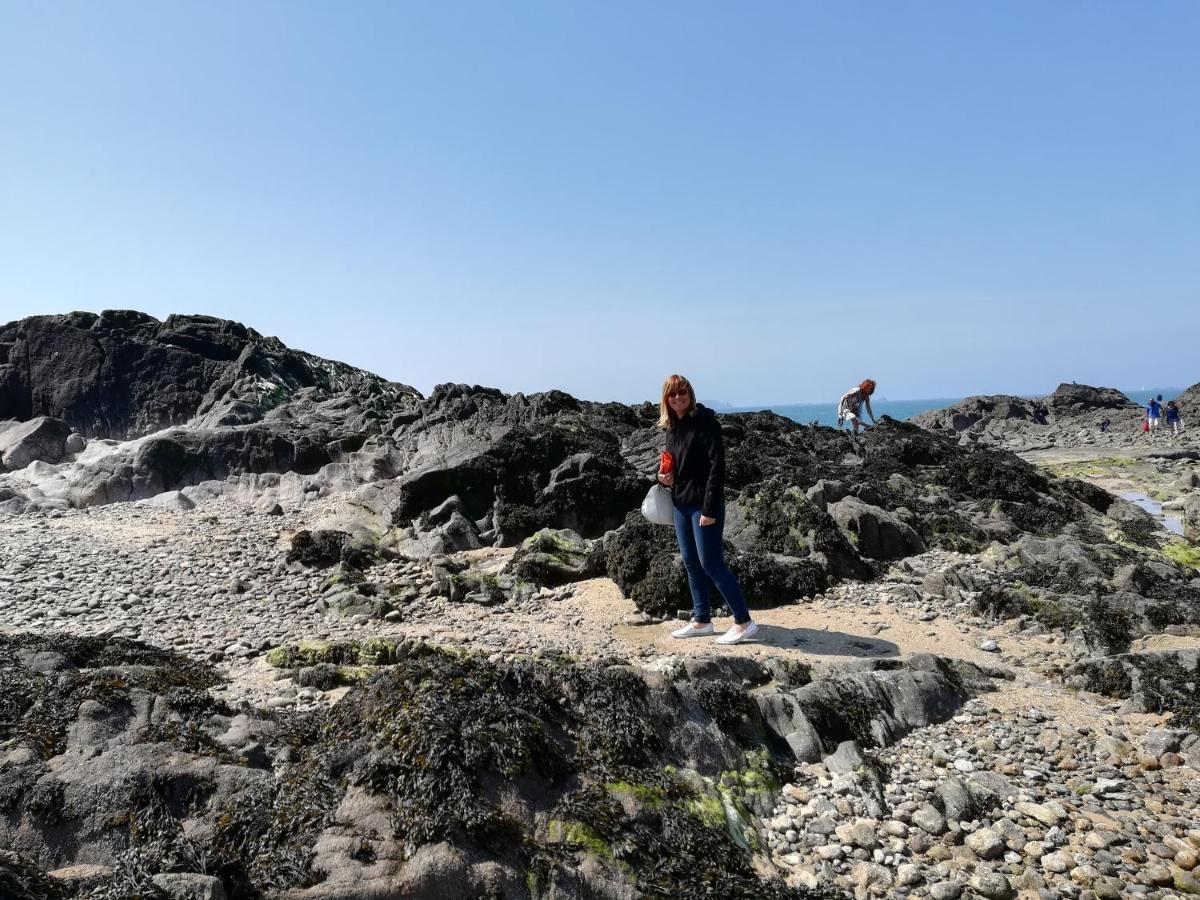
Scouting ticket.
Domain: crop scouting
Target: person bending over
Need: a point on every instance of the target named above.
(852, 402)
(696, 477)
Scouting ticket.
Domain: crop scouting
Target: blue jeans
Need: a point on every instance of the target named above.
(704, 558)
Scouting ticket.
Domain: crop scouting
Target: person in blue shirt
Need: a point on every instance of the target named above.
(1154, 412)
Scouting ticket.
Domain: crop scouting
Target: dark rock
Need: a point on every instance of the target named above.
(1163, 680)
(419, 782)
(124, 374)
(322, 549)
(1082, 397)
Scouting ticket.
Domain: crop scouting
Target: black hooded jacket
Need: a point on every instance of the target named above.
(698, 452)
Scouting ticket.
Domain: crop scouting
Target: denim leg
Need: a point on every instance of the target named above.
(697, 580)
(712, 558)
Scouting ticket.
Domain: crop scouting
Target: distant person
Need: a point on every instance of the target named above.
(696, 476)
(1173, 420)
(1104, 426)
(1154, 412)
(852, 401)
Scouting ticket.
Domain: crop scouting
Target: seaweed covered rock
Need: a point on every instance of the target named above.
(322, 549)
(779, 518)
(441, 771)
(876, 533)
(20, 879)
(552, 557)
(1157, 681)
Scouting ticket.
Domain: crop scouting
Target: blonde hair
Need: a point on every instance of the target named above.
(673, 385)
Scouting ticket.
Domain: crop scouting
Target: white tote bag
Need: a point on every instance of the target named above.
(658, 507)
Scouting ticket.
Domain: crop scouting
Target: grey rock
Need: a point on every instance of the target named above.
(986, 843)
(845, 759)
(993, 885)
(946, 890)
(878, 534)
(189, 886)
(41, 439)
(928, 819)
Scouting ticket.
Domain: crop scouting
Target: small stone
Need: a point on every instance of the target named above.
(986, 843)
(989, 647)
(992, 885)
(869, 874)
(1040, 812)
(1101, 839)
(1158, 874)
(928, 819)
(894, 828)
(1058, 862)
(946, 890)
(1186, 883)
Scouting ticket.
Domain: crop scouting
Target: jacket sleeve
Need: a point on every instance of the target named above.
(714, 490)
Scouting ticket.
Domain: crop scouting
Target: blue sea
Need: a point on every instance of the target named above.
(826, 413)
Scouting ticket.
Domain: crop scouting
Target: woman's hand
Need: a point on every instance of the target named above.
(667, 480)
(707, 520)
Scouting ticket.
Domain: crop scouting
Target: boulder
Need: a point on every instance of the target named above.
(552, 557)
(1084, 397)
(41, 439)
(1191, 519)
(875, 532)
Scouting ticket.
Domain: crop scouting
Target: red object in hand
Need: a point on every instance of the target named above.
(666, 463)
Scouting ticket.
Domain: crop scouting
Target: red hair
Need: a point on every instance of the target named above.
(867, 388)
(673, 385)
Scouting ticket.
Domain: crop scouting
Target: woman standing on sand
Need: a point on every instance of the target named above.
(852, 400)
(693, 468)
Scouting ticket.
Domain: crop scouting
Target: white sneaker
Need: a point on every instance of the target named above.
(693, 629)
(733, 636)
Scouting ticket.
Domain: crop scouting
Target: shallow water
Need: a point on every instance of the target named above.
(1173, 524)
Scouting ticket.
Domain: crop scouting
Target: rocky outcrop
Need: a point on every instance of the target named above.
(1189, 402)
(442, 772)
(1071, 416)
(124, 374)
(1152, 681)
(1080, 398)
(471, 467)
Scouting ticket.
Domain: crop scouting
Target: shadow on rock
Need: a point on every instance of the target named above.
(826, 643)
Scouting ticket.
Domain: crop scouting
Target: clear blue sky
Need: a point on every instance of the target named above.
(775, 198)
